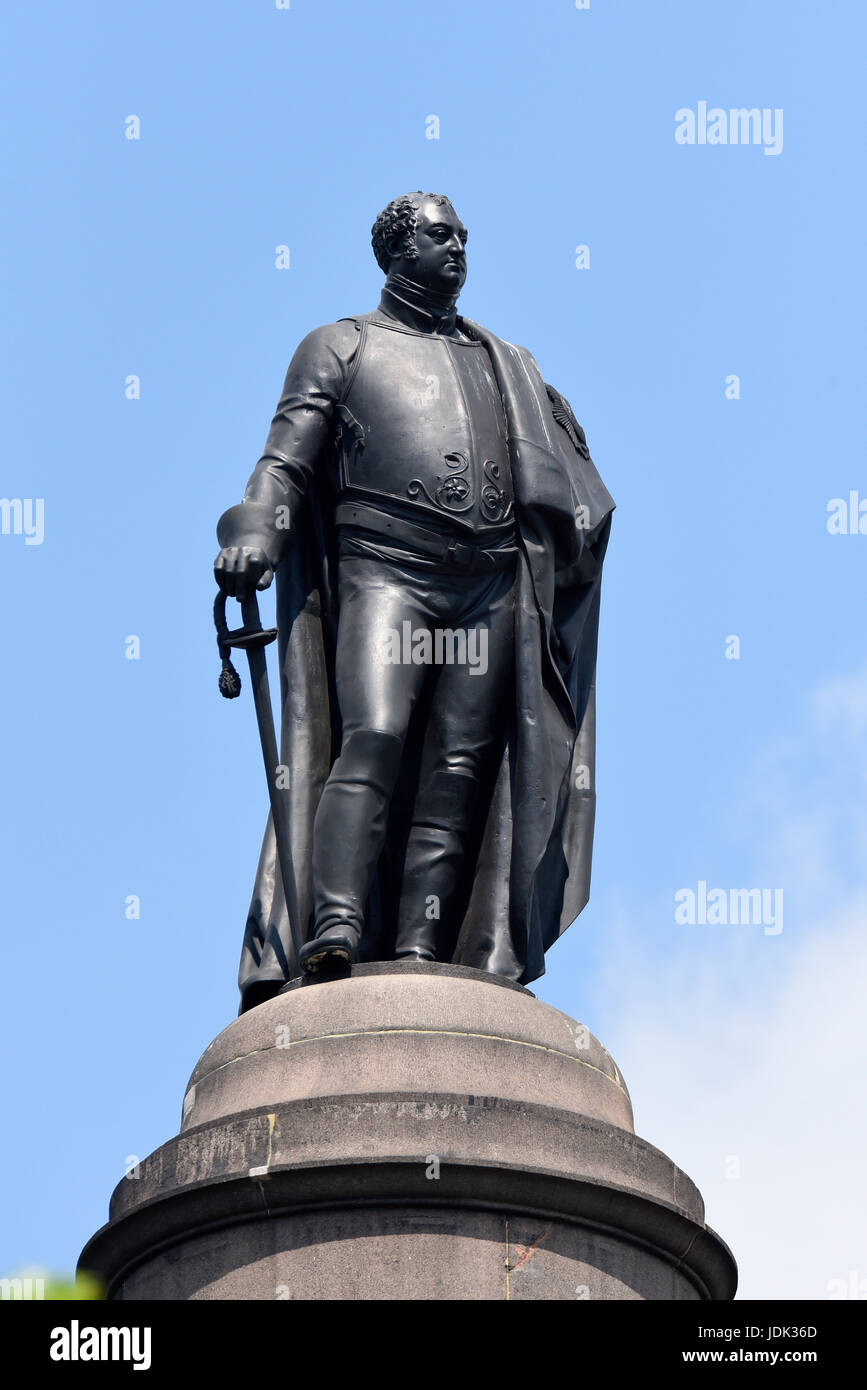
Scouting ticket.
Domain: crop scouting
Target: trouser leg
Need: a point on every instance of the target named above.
(377, 696)
(465, 724)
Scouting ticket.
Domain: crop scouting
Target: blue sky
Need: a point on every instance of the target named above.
(155, 257)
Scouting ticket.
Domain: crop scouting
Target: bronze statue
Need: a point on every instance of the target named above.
(437, 530)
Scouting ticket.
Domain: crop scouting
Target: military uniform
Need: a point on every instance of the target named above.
(400, 414)
(407, 413)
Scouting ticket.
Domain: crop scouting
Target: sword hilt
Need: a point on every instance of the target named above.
(248, 638)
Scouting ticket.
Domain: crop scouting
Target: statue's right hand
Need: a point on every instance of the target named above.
(239, 569)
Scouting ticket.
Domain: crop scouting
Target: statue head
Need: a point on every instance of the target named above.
(420, 235)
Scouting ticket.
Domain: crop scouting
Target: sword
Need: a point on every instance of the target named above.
(253, 639)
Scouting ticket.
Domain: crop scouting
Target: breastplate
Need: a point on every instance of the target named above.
(421, 431)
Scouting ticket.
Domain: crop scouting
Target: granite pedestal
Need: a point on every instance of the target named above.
(412, 1131)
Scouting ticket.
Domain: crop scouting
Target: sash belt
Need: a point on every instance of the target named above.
(427, 542)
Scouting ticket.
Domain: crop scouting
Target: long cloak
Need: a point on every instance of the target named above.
(528, 867)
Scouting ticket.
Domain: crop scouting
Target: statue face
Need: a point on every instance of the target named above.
(441, 243)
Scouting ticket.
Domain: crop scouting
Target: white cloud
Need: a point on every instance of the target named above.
(754, 1049)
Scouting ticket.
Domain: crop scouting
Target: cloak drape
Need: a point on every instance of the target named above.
(528, 869)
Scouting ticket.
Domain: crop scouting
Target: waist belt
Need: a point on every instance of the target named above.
(409, 535)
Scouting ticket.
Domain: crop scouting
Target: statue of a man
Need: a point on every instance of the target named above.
(437, 531)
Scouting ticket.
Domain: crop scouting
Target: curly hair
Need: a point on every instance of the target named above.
(399, 221)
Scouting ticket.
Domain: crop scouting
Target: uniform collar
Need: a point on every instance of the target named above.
(418, 307)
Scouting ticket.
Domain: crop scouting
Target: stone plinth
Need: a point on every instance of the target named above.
(410, 1132)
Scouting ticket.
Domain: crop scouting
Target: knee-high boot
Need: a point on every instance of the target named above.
(349, 832)
(432, 875)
